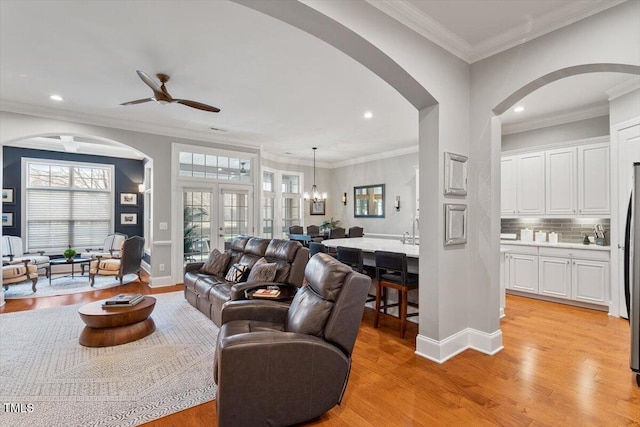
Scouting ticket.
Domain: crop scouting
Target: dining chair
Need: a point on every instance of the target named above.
(296, 229)
(356, 231)
(391, 273)
(313, 231)
(337, 233)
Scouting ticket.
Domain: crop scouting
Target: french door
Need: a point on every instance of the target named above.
(213, 217)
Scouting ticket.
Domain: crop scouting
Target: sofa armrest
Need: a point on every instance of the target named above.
(258, 310)
(193, 266)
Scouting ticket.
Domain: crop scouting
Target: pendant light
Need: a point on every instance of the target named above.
(315, 194)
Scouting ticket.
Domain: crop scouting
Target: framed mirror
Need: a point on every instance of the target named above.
(368, 201)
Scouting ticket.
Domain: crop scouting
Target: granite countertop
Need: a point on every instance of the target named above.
(592, 247)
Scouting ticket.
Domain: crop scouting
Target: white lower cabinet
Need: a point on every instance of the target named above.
(590, 281)
(572, 274)
(555, 276)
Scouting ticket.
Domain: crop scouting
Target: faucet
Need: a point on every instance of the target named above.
(405, 234)
(413, 226)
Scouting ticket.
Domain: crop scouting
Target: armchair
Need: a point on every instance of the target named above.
(129, 262)
(17, 272)
(280, 365)
(110, 248)
(12, 250)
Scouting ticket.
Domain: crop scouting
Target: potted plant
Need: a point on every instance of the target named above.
(69, 254)
(329, 224)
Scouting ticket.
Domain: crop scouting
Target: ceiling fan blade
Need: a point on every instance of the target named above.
(197, 105)
(149, 81)
(138, 101)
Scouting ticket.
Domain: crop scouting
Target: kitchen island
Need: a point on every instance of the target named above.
(370, 245)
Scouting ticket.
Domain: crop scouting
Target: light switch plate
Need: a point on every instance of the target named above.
(163, 226)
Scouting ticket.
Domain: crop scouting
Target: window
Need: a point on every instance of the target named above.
(268, 204)
(223, 168)
(281, 206)
(67, 204)
(290, 202)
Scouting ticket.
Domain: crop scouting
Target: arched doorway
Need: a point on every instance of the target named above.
(621, 159)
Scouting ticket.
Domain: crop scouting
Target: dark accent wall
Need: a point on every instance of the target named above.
(128, 173)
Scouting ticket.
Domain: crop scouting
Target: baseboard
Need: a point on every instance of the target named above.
(502, 313)
(441, 351)
(161, 281)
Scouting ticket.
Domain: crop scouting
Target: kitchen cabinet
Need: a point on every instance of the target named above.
(593, 180)
(560, 183)
(521, 269)
(508, 204)
(590, 281)
(530, 184)
(579, 275)
(567, 182)
(555, 276)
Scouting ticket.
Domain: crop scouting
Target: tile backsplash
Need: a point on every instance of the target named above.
(570, 230)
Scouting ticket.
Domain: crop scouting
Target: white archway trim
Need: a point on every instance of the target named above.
(560, 74)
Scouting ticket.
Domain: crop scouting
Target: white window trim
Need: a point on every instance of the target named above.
(278, 217)
(24, 181)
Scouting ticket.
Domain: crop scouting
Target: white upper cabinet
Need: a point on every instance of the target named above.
(593, 180)
(561, 187)
(508, 200)
(531, 188)
(566, 182)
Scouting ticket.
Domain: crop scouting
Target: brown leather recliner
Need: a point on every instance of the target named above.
(279, 365)
(208, 293)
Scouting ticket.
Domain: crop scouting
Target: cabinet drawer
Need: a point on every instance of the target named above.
(575, 253)
(517, 249)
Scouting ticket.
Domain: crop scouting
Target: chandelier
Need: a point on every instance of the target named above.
(315, 193)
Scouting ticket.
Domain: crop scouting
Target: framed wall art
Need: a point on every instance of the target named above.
(128, 219)
(7, 219)
(317, 207)
(128, 199)
(455, 224)
(455, 174)
(8, 195)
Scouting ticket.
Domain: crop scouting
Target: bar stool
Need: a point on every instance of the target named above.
(353, 257)
(316, 247)
(391, 272)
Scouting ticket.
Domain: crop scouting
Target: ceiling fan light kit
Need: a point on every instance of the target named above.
(162, 96)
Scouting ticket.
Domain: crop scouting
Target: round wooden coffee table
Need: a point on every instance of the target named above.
(114, 326)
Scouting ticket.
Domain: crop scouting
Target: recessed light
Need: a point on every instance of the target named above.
(518, 109)
(56, 98)
(368, 115)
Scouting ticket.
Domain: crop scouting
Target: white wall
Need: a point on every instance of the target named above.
(612, 36)
(399, 176)
(581, 129)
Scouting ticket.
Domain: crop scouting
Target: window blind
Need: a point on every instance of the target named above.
(59, 218)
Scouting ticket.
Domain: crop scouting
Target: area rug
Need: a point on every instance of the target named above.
(63, 285)
(48, 379)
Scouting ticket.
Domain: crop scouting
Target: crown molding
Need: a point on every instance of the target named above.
(378, 156)
(623, 88)
(542, 25)
(589, 112)
(412, 17)
(407, 14)
(97, 120)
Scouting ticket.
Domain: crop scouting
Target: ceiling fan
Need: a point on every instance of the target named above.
(162, 96)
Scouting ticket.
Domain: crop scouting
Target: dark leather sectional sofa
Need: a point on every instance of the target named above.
(208, 293)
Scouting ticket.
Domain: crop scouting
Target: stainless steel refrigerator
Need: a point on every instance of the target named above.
(632, 271)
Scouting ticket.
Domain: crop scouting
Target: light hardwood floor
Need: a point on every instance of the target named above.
(561, 366)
